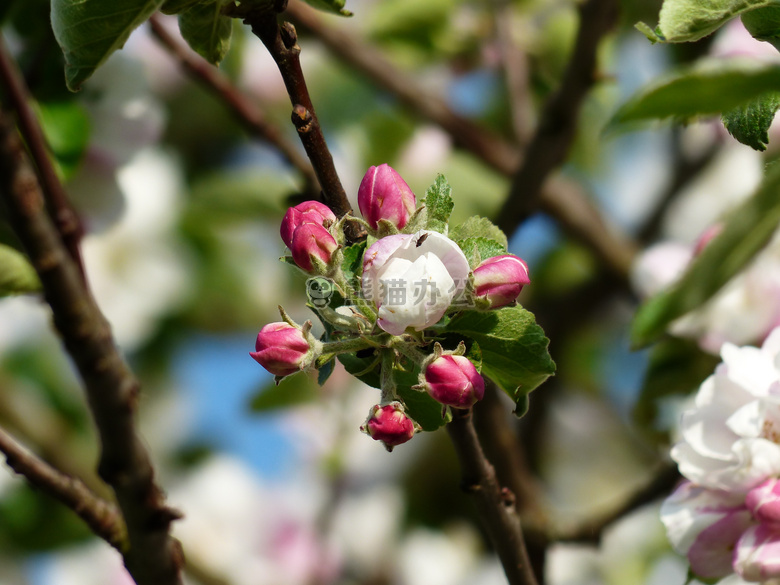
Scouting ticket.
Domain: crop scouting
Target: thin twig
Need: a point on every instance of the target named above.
(551, 142)
(282, 44)
(562, 199)
(153, 557)
(65, 217)
(101, 516)
(243, 109)
(495, 504)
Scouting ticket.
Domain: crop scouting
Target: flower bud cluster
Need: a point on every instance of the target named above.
(411, 279)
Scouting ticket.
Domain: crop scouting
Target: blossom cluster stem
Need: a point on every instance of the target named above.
(387, 382)
(331, 349)
(282, 44)
(496, 505)
(153, 555)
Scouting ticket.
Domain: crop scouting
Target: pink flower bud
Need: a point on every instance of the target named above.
(311, 240)
(389, 424)
(453, 380)
(281, 349)
(500, 279)
(306, 212)
(383, 194)
(763, 501)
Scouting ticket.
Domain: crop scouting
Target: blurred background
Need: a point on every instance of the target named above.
(182, 210)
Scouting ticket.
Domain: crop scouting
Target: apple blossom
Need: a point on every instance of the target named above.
(757, 555)
(306, 212)
(413, 279)
(454, 381)
(311, 244)
(500, 279)
(729, 437)
(705, 525)
(763, 501)
(281, 349)
(389, 424)
(383, 194)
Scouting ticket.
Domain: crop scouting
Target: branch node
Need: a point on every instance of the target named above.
(508, 497)
(289, 37)
(302, 119)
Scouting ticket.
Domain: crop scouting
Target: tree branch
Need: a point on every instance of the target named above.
(495, 504)
(244, 110)
(153, 557)
(550, 145)
(562, 199)
(102, 517)
(65, 218)
(282, 44)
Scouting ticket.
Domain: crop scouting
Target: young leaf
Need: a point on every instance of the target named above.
(66, 126)
(438, 201)
(479, 249)
(749, 123)
(764, 24)
(709, 88)
(292, 391)
(177, 6)
(690, 20)
(17, 276)
(88, 31)
(514, 348)
(478, 227)
(746, 232)
(333, 6)
(207, 31)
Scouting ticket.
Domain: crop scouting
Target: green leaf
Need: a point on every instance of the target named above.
(763, 24)
(67, 129)
(749, 123)
(291, 391)
(690, 20)
(17, 276)
(677, 367)
(352, 265)
(177, 6)
(747, 230)
(207, 31)
(333, 6)
(438, 201)
(514, 348)
(478, 227)
(479, 249)
(710, 87)
(88, 31)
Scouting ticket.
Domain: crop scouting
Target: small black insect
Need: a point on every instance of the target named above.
(420, 240)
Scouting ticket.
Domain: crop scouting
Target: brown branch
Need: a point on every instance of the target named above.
(101, 516)
(282, 44)
(153, 557)
(65, 218)
(659, 486)
(553, 138)
(495, 504)
(561, 199)
(243, 109)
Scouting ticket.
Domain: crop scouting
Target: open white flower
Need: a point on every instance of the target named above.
(731, 439)
(413, 279)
